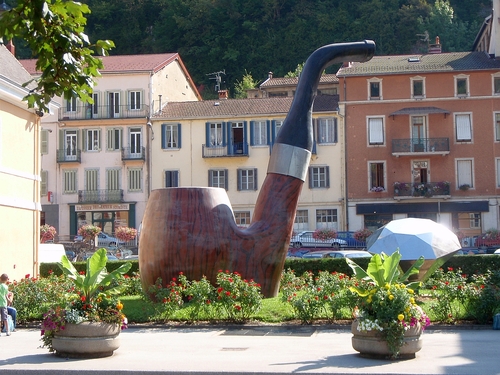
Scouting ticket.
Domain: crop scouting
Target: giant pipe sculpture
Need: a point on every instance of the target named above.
(192, 229)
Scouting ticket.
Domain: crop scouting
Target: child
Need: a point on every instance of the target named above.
(4, 291)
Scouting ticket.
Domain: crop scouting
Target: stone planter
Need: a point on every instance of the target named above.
(371, 344)
(87, 340)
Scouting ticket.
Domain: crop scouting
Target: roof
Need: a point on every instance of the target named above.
(12, 69)
(123, 63)
(428, 63)
(293, 81)
(241, 107)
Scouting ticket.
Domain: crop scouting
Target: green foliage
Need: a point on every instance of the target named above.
(245, 84)
(54, 31)
(201, 295)
(168, 298)
(296, 72)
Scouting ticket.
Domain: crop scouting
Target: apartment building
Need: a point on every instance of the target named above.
(285, 86)
(423, 139)
(96, 161)
(227, 143)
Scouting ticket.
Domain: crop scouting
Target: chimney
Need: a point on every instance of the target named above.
(11, 47)
(435, 48)
(223, 94)
(270, 75)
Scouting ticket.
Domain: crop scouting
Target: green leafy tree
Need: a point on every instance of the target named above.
(246, 83)
(54, 31)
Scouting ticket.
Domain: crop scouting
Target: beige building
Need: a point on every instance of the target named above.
(19, 172)
(96, 162)
(227, 143)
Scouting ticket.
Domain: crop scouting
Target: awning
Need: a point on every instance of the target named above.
(419, 111)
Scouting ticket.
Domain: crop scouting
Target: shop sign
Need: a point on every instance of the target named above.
(102, 207)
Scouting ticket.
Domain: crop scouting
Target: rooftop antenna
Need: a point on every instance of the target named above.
(217, 77)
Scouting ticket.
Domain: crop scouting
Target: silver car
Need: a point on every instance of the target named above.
(306, 239)
(337, 254)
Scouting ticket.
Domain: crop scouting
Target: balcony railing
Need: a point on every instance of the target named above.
(134, 153)
(69, 156)
(91, 111)
(100, 196)
(235, 149)
(416, 189)
(421, 145)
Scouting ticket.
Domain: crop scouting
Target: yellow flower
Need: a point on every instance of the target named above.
(119, 305)
(391, 297)
(401, 317)
(411, 291)
(373, 291)
(403, 286)
(369, 299)
(387, 286)
(412, 300)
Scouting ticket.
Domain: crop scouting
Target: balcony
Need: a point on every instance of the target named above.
(100, 196)
(421, 146)
(69, 156)
(137, 153)
(91, 111)
(235, 149)
(404, 190)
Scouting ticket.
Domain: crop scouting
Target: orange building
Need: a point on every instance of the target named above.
(423, 139)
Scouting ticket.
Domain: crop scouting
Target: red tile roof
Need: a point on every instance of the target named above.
(293, 81)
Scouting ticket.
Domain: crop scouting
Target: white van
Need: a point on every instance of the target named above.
(50, 252)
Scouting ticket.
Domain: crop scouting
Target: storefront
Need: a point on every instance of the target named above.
(106, 216)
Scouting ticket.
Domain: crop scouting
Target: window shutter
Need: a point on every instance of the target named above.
(210, 178)
(463, 128)
(110, 139)
(252, 133)
(226, 179)
(176, 178)
(179, 138)
(327, 177)
(268, 130)
(310, 177)
(99, 147)
(239, 173)
(245, 137)
(163, 136)
(376, 130)
(84, 140)
(273, 131)
(207, 134)
(230, 142)
(44, 142)
(255, 181)
(61, 141)
(335, 131)
(43, 183)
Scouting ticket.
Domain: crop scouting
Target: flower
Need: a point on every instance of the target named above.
(377, 189)
(362, 234)
(324, 234)
(92, 298)
(125, 234)
(384, 303)
(47, 233)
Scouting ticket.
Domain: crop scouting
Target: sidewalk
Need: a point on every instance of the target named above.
(255, 350)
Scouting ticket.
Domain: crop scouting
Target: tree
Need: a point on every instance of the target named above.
(54, 31)
(245, 84)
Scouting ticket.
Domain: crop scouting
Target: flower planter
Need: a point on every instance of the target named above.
(371, 344)
(87, 340)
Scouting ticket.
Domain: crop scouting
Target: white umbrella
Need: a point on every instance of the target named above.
(414, 238)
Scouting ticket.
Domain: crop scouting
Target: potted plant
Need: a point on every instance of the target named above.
(89, 323)
(47, 233)
(464, 187)
(324, 234)
(362, 234)
(88, 233)
(126, 234)
(388, 322)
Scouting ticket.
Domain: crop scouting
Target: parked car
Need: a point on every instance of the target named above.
(104, 240)
(352, 243)
(337, 254)
(306, 239)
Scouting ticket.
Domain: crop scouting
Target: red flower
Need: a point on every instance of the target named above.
(83, 298)
(164, 300)
(228, 293)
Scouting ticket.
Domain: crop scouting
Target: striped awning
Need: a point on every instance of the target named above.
(419, 111)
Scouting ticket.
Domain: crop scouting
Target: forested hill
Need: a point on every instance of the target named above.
(275, 35)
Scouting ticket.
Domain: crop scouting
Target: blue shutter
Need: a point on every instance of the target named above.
(252, 135)
(179, 135)
(163, 136)
(256, 184)
(273, 131)
(207, 134)
(238, 175)
(268, 130)
(327, 173)
(229, 143)
(226, 172)
(224, 134)
(309, 175)
(335, 131)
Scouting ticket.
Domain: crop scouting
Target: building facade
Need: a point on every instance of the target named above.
(96, 161)
(423, 139)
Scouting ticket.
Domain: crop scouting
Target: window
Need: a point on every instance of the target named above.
(91, 179)
(135, 100)
(215, 135)
(326, 218)
(275, 129)
(113, 180)
(374, 89)
(113, 104)
(114, 139)
(464, 173)
(134, 179)
(376, 131)
(69, 181)
(418, 87)
(463, 127)
(301, 220)
(71, 104)
(92, 141)
(171, 178)
(327, 130)
(496, 85)
(217, 178)
(170, 136)
(376, 170)
(462, 85)
(44, 175)
(497, 126)
(319, 177)
(247, 179)
(498, 172)
(258, 135)
(135, 142)
(475, 220)
(242, 218)
(44, 142)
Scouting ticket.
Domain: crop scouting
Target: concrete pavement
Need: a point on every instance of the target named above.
(256, 350)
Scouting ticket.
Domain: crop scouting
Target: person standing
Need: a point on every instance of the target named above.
(4, 291)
